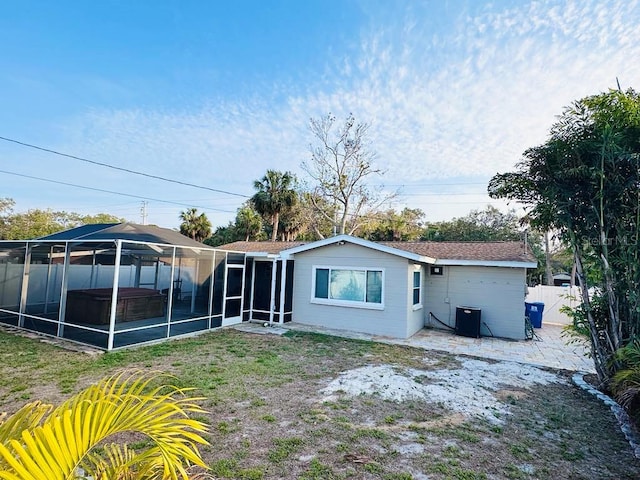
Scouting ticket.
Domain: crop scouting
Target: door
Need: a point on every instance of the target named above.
(234, 286)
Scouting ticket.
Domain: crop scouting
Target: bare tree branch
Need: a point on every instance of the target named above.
(341, 163)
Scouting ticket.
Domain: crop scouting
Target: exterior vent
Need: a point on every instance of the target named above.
(435, 270)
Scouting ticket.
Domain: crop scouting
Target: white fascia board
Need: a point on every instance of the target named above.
(356, 241)
(262, 255)
(487, 263)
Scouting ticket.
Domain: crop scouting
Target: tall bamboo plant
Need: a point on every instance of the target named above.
(40, 442)
(585, 183)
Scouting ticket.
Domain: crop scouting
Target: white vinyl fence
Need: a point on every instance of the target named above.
(554, 298)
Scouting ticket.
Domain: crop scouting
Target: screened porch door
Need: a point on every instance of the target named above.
(234, 286)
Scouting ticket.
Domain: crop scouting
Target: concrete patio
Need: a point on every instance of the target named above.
(547, 349)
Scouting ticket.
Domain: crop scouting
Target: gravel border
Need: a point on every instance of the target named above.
(621, 415)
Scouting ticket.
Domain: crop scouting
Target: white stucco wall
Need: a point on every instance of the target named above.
(396, 319)
(498, 291)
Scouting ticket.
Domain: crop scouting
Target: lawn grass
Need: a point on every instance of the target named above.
(269, 421)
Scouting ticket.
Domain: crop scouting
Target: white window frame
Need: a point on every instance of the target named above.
(416, 306)
(347, 303)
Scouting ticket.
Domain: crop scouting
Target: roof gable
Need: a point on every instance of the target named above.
(341, 239)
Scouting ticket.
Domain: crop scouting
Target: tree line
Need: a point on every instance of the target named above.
(36, 222)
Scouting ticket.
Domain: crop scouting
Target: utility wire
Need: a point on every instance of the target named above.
(430, 184)
(112, 192)
(122, 169)
(440, 194)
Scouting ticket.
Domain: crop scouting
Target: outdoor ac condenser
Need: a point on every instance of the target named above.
(468, 321)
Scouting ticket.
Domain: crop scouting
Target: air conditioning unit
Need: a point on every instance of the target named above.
(468, 322)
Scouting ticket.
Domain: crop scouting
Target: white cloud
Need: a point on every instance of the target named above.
(461, 102)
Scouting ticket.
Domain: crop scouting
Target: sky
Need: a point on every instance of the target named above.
(213, 93)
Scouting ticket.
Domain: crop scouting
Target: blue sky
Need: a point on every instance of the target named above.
(214, 93)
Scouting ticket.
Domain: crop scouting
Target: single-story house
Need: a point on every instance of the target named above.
(116, 285)
(397, 288)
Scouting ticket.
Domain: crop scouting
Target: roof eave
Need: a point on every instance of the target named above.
(486, 263)
(263, 255)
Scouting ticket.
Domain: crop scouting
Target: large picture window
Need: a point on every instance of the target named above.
(358, 287)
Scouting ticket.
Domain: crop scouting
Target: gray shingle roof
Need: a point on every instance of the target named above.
(489, 251)
(262, 247)
(478, 251)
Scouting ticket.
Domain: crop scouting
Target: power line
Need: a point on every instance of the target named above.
(430, 184)
(112, 192)
(440, 194)
(462, 203)
(122, 169)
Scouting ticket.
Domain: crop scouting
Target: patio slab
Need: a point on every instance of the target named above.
(549, 349)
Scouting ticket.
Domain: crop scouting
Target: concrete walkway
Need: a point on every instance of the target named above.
(549, 349)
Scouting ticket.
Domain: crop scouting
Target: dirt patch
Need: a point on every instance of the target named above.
(470, 389)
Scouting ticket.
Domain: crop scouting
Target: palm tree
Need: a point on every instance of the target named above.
(68, 442)
(188, 225)
(248, 222)
(197, 227)
(275, 194)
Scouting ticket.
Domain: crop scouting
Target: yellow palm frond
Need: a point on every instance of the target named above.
(122, 463)
(26, 418)
(126, 402)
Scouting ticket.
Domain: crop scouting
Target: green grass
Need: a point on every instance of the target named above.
(283, 448)
(452, 470)
(229, 468)
(318, 471)
(397, 476)
(520, 452)
(375, 433)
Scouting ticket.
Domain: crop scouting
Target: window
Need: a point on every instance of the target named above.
(356, 287)
(417, 278)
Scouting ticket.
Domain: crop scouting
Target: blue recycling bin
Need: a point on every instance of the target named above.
(534, 311)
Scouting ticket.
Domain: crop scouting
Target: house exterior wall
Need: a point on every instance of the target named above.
(392, 320)
(498, 291)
